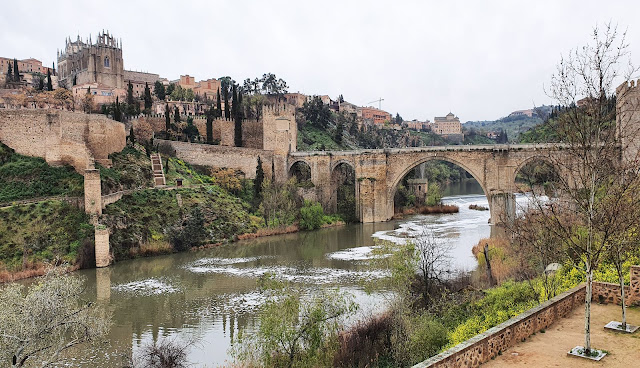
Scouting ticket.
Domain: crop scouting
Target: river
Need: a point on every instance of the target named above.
(210, 296)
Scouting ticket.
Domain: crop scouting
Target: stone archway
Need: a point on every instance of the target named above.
(343, 190)
(395, 181)
(301, 171)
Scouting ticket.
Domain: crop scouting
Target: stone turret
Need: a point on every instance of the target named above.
(280, 130)
(628, 119)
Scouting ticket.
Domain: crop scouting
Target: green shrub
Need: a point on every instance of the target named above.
(311, 216)
(23, 177)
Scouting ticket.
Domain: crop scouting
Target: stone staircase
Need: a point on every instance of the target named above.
(158, 172)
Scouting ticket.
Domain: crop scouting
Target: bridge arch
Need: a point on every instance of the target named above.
(557, 169)
(395, 181)
(301, 170)
(343, 190)
(335, 164)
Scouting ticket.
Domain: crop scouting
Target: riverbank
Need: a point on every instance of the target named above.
(427, 210)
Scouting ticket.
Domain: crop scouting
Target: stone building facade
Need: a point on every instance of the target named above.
(446, 125)
(29, 65)
(373, 115)
(87, 62)
(138, 80)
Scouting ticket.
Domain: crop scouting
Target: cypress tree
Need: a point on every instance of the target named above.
(132, 138)
(117, 114)
(49, 84)
(257, 183)
(218, 105)
(176, 114)
(40, 84)
(167, 118)
(148, 102)
(339, 130)
(16, 73)
(227, 113)
(130, 94)
(210, 125)
(234, 98)
(54, 68)
(9, 73)
(273, 171)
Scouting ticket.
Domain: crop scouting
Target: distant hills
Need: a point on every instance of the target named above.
(513, 124)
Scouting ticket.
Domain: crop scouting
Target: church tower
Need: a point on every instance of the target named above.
(84, 62)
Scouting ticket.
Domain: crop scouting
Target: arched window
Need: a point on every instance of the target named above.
(106, 62)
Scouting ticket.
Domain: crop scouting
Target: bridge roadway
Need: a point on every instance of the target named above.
(378, 172)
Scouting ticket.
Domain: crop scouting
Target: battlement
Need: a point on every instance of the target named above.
(278, 109)
(628, 86)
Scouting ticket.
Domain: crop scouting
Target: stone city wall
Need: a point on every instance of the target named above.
(485, 346)
(62, 137)
(243, 159)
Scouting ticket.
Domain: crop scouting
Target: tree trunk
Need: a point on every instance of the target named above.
(622, 301)
(587, 313)
(486, 258)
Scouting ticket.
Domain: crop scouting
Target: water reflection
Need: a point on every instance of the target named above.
(211, 295)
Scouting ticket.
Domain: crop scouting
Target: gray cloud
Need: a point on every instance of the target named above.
(478, 59)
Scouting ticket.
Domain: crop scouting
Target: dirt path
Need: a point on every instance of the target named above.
(550, 349)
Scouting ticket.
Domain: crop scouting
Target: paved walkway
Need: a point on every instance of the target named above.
(550, 349)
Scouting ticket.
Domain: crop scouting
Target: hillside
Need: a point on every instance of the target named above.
(23, 177)
(512, 125)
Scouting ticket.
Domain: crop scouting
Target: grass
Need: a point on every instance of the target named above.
(51, 231)
(141, 222)
(23, 177)
(131, 169)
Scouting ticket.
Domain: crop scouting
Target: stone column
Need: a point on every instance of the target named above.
(366, 199)
(103, 258)
(503, 207)
(92, 192)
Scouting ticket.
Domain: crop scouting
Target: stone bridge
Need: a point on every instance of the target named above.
(378, 173)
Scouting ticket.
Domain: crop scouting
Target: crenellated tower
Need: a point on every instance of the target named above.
(628, 119)
(83, 61)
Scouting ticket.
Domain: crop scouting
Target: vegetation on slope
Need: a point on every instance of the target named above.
(512, 125)
(51, 231)
(149, 219)
(23, 177)
(131, 169)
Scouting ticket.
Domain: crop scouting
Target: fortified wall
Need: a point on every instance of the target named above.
(276, 130)
(62, 137)
(272, 137)
(243, 159)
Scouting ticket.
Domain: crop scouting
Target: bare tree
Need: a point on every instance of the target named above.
(165, 353)
(594, 178)
(41, 324)
(624, 242)
(433, 258)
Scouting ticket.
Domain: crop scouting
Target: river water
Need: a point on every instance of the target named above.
(210, 296)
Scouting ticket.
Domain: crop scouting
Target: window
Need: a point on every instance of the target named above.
(106, 62)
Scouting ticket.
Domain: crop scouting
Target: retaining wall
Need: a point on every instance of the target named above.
(240, 158)
(489, 344)
(609, 293)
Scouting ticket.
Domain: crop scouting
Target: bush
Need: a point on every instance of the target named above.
(311, 216)
(191, 234)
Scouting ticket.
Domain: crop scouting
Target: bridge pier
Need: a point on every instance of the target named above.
(502, 206)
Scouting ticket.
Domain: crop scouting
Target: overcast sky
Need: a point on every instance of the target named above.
(477, 59)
